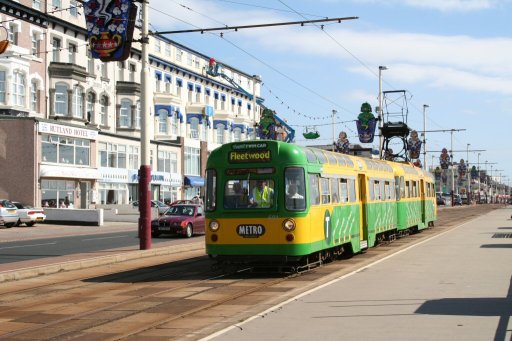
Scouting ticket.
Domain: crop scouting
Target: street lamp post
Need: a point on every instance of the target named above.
(381, 118)
(425, 106)
(145, 167)
(468, 178)
(478, 175)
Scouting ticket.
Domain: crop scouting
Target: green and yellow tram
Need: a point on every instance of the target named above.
(270, 201)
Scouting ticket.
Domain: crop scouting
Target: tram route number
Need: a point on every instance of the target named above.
(250, 231)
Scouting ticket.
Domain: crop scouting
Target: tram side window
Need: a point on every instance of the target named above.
(326, 191)
(352, 190)
(376, 188)
(315, 191)
(295, 196)
(211, 190)
(344, 190)
(335, 190)
(387, 191)
(371, 188)
(407, 189)
(414, 189)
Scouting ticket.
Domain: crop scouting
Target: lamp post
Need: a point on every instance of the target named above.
(381, 118)
(425, 106)
(478, 175)
(145, 167)
(468, 178)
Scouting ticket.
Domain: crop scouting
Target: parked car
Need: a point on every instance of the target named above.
(29, 215)
(180, 219)
(155, 203)
(457, 200)
(8, 213)
(441, 201)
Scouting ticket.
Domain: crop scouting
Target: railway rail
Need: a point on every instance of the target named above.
(179, 297)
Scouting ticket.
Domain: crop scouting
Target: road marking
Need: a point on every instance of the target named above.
(15, 247)
(107, 237)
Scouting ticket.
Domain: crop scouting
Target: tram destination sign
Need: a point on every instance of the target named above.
(249, 156)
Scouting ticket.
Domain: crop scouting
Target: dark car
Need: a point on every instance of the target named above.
(440, 200)
(180, 219)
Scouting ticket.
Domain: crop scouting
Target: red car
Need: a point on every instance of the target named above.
(180, 219)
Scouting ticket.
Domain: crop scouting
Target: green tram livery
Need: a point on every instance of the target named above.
(270, 202)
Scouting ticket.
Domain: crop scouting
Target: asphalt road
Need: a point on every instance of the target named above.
(22, 250)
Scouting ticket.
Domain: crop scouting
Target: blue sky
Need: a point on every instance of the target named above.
(453, 55)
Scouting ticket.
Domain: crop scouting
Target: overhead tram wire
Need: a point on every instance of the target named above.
(253, 56)
(266, 7)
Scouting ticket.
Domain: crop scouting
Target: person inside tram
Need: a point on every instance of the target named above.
(262, 195)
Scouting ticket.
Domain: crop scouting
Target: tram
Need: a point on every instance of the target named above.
(271, 202)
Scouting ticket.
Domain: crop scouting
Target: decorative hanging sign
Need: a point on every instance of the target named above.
(414, 145)
(366, 124)
(444, 159)
(110, 25)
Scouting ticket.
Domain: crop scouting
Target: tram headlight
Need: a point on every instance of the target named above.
(214, 225)
(289, 225)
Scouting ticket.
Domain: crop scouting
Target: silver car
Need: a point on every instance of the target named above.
(8, 213)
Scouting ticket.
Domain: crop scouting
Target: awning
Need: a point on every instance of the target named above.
(194, 181)
(47, 171)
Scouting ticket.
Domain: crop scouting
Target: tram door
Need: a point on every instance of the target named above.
(363, 229)
(423, 200)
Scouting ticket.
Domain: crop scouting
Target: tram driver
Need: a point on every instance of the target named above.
(262, 195)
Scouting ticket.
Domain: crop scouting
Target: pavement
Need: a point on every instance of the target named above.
(454, 286)
(45, 266)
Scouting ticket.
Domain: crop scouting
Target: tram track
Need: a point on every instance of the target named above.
(169, 298)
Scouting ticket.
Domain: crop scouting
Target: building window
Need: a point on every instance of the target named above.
(104, 70)
(116, 156)
(120, 68)
(36, 4)
(73, 8)
(2, 87)
(18, 88)
(57, 4)
(90, 107)
(125, 114)
(56, 45)
(168, 50)
(34, 96)
(190, 59)
(35, 43)
(138, 116)
(162, 121)
(192, 165)
(133, 157)
(220, 133)
(12, 33)
(72, 49)
(158, 47)
(103, 110)
(77, 105)
(194, 128)
(65, 150)
(179, 54)
(132, 69)
(174, 123)
(55, 192)
(167, 162)
(237, 135)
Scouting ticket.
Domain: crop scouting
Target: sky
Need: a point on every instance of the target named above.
(455, 56)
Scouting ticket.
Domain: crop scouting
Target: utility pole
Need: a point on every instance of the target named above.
(333, 137)
(425, 106)
(381, 116)
(145, 167)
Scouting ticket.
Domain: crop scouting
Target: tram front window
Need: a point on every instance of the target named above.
(249, 194)
(295, 189)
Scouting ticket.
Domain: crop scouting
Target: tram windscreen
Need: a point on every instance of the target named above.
(249, 194)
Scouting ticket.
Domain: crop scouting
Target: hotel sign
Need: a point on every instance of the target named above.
(50, 128)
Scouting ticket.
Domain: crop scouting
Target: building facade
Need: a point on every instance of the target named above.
(70, 125)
